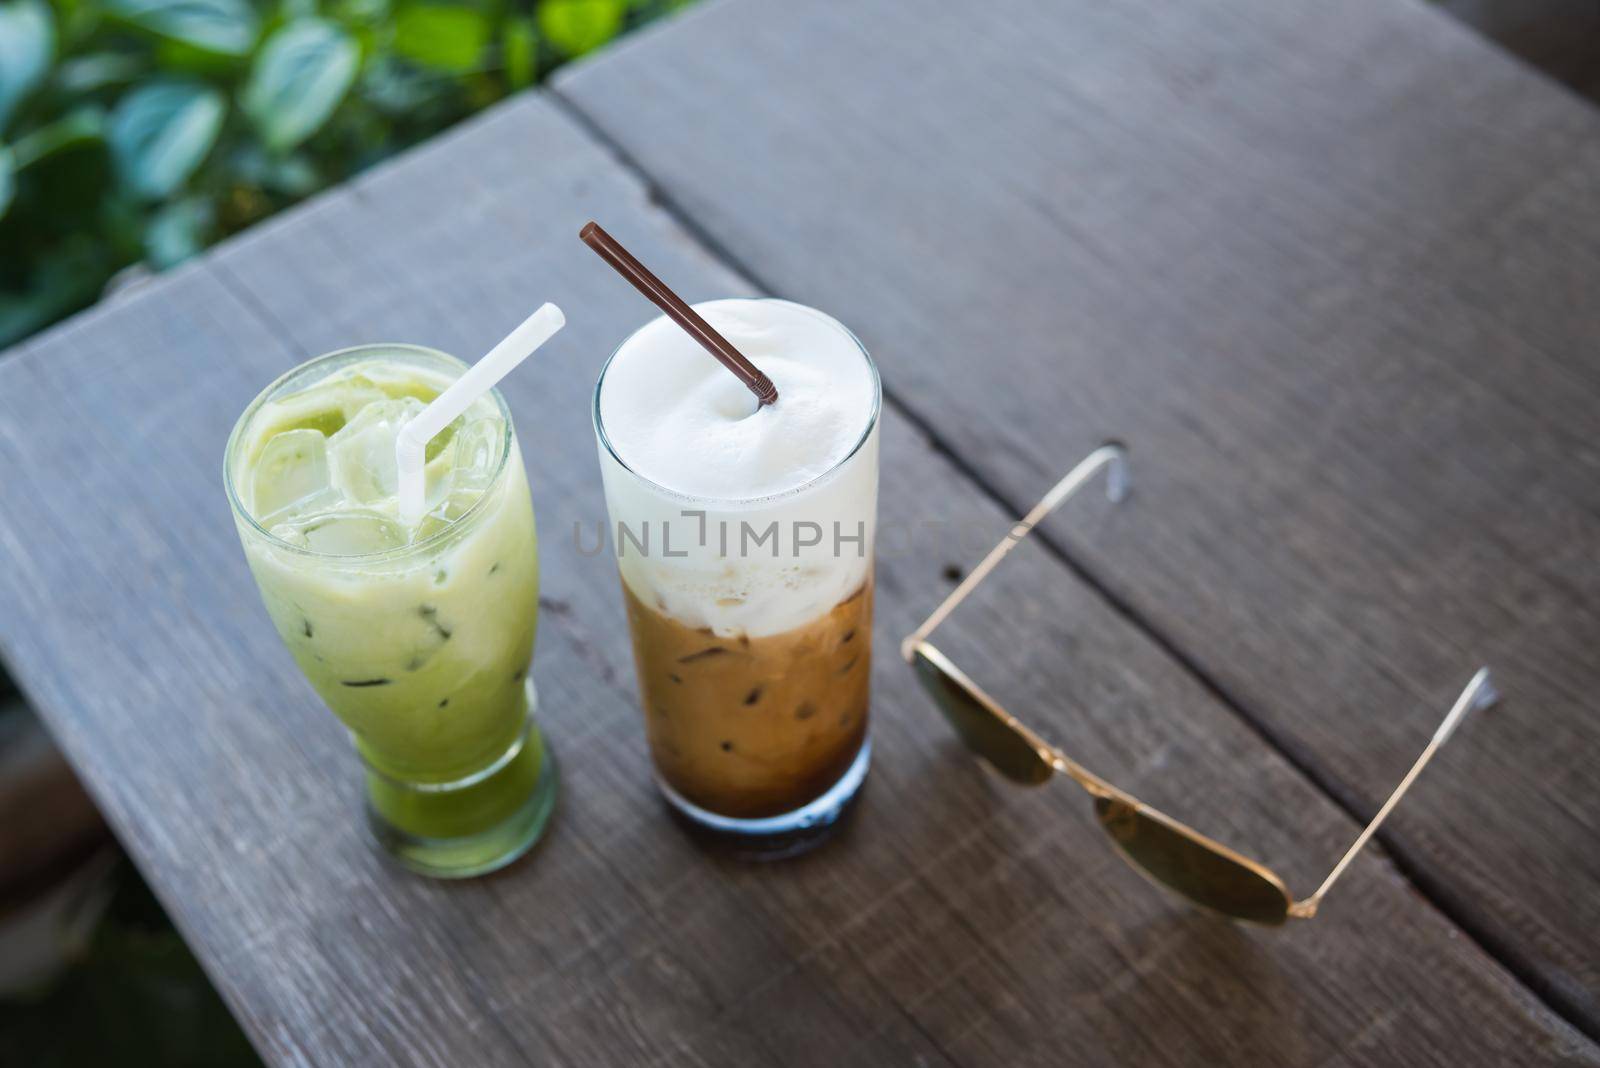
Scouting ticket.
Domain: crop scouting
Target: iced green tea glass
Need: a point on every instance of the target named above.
(419, 638)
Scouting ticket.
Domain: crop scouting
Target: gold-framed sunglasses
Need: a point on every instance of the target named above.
(1171, 853)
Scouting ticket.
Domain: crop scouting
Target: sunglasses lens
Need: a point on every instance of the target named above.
(986, 730)
(1180, 859)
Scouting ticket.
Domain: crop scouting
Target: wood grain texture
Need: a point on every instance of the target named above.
(957, 922)
(1329, 268)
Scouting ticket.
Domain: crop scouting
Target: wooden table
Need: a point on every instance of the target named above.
(1327, 267)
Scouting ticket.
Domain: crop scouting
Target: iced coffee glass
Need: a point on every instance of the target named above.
(417, 636)
(744, 542)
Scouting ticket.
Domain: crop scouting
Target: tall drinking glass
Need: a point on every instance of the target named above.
(419, 637)
(751, 616)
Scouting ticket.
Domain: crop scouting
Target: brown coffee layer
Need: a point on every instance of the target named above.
(751, 727)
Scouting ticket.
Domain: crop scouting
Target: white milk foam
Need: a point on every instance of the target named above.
(676, 417)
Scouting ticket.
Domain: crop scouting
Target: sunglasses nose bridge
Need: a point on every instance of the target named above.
(1094, 785)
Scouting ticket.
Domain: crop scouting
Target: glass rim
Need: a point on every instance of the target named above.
(383, 555)
(679, 495)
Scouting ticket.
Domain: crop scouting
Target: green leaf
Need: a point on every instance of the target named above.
(300, 76)
(161, 132)
(180, 58)
(291, 175)
(224, 27)
(8, 179)
(361, 12)
(87, 74)
(27, 41)
(399, 90)
(441, 36)
(579, 26)
(76, 22)
(518, 42)
(73, 130)
(178, 231)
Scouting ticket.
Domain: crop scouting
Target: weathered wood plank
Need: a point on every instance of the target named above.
(958, 922)
(1328, 267)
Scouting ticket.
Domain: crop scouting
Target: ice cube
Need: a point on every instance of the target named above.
(326, 406)
(453, 506)
(438, 472)
(362, 453)
(326, 499)
(291, 533)
(292, 467)
(477, 453)
(352, 532)
(441, 442)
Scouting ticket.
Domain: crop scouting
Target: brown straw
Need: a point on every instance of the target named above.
(679, 312)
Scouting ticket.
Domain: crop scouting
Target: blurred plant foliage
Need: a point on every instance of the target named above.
(136, 997)
(146, 129)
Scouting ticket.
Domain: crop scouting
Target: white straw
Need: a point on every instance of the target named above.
(412, 442)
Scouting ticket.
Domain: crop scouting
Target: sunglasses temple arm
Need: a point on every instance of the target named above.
(1480, 693)
(1112, 455)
